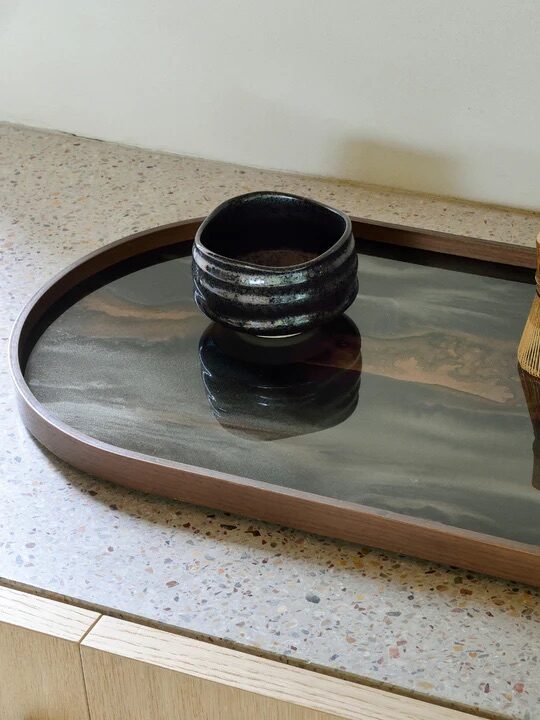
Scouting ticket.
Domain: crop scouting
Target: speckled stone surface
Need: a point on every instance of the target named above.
(427, 630)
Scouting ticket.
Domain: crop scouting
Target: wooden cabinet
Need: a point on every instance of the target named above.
(141, 673)
(40, 665)
(58, 662)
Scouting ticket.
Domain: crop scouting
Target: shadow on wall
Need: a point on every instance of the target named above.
(397, 166)
(265, 128)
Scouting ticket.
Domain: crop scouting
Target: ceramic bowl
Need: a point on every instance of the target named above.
(274, 264)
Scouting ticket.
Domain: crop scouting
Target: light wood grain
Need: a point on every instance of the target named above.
(42, 615)
(138, 673)
(40, 665)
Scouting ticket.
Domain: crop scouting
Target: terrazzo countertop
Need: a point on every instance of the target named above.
(423, 629)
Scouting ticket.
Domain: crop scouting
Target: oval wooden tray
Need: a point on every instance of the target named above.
(309, 511)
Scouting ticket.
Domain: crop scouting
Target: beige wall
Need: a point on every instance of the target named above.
(433, 95)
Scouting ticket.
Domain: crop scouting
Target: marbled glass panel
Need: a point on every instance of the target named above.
(414, 404)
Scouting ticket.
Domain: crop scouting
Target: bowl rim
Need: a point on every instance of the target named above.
(270, 269)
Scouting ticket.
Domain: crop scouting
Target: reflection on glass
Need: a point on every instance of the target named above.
(531, 390)
(441, 431)
(271, 388)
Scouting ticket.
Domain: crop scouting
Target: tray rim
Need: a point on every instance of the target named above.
(310, 512)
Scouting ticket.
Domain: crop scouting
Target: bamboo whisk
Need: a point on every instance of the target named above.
(529, 345)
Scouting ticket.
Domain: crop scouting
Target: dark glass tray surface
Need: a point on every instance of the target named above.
(413, 403)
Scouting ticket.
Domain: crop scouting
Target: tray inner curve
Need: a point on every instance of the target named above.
(412, 404)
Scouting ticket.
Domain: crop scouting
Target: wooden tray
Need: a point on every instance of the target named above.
(410, 430)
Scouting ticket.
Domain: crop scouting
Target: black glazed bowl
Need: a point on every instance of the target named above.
(274, 264)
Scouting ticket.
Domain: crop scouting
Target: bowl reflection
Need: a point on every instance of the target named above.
(272, 388)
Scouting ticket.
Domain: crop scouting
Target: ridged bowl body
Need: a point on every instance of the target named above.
(274, 264)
